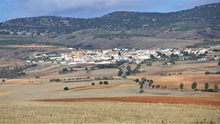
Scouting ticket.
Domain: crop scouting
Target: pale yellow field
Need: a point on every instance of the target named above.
(106, 112)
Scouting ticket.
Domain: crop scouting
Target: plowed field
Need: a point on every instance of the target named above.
(142, 99)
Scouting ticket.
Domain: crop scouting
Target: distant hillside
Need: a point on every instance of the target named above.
(202, 22)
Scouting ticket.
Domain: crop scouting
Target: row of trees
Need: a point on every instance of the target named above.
(15, 72)
(194, 85)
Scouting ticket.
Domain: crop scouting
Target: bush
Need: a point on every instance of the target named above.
(207, 72)
(66, 88)
(93, 83)
(100, 82)
(194, 85)
(105, 82)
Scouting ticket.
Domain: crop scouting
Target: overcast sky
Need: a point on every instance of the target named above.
(11, 9)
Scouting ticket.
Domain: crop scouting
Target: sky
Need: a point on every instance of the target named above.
(12, 9)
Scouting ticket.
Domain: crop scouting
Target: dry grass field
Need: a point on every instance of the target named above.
(106, 112)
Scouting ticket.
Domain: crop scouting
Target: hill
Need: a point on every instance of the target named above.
(121, 29)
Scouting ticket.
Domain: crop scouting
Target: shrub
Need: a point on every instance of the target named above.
(206, 86)
(100, 82)
(218, 63)
(216, 87)
(3, 80)
(165, 87)
(105, 82)
(194, 85)
(66, 88)
(207, 72)
(181, 85)
(93, 83)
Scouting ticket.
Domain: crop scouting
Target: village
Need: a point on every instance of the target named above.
(137, 56)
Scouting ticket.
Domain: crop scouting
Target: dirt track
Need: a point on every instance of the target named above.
(142, 99)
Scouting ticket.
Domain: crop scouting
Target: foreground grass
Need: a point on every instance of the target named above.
(100, 112)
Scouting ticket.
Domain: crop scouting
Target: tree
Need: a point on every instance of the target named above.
(112, 57)
(136, 80)
(143, 79)
(181, 85)
(128, 68)
(93, 83)
(207, 72)
(3, 80)
(66, 88)
(153, 86)
(152, 56)
(218, 63)
(141, 84)
(100, 82)
(194, 85)
(86, 68)
(216, 87)
(120, 72)
(119, 53)
(206, 86)
(151, 82)
(105, 82)
(138, 66)
(65, 69)
(159, 53)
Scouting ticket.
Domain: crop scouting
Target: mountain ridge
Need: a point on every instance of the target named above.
(201, 22)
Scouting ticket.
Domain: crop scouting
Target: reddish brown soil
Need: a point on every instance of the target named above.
(141, 99)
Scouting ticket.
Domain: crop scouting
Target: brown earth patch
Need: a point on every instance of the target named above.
(141, 99)
(212, 96)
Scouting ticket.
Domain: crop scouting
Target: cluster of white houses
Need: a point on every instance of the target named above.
(107, 56)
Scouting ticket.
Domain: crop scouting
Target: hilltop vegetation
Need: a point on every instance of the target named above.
(198, 23)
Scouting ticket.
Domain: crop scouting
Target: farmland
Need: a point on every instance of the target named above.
(104, 103)
(39, 100)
